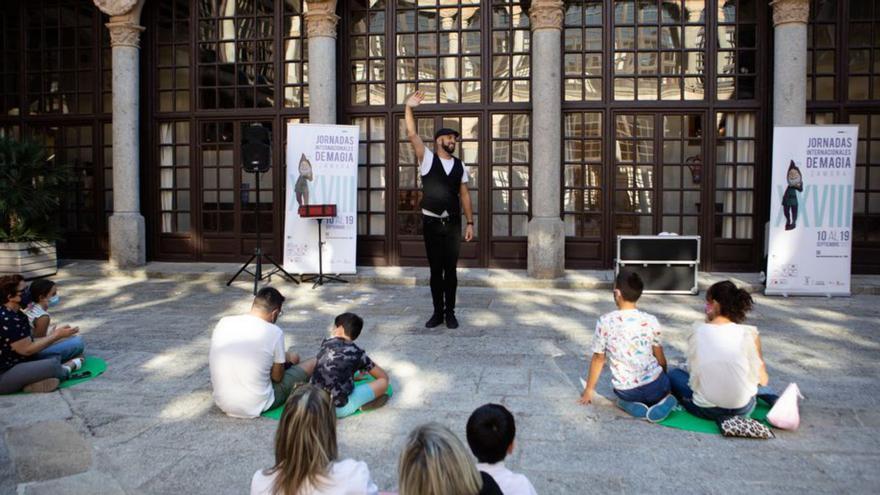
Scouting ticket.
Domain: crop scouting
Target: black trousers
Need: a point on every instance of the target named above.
(443, 244)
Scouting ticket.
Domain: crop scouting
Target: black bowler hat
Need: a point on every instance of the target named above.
(445, 132)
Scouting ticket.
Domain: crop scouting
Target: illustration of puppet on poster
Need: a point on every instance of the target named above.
(321, 170)
(811, 209)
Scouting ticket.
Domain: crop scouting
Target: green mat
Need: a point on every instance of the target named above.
(276, 413)
(683, 420)
(94, 364)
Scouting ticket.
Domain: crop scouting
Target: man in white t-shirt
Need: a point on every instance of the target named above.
(444, 197)
(250, 370)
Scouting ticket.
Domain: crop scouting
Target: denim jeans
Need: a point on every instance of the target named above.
(647, 394)
(678, 379)
(65, 350)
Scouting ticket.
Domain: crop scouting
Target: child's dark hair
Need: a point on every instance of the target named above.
(41, 288)
(351, 323)
(490, 431)
(630, 286)
(733, 301)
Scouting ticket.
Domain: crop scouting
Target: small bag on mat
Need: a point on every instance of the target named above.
(743, 427)
(784, 413)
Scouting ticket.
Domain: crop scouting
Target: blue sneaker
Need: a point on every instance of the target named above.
(660, 411)
(635, 409)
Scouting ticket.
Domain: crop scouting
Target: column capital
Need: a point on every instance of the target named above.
(125, 17)
(546, 14)
(790, 11)
(125, 33)
(321, 18)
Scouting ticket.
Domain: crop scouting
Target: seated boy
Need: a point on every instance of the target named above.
(491, 431)
(631, 339)
(250, 371)
(338, 361)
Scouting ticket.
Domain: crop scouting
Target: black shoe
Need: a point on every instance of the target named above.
(435, 320)
(451, 321)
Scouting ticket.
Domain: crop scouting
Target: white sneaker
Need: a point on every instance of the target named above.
(75, 364)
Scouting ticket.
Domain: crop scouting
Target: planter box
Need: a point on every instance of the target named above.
(28, 259)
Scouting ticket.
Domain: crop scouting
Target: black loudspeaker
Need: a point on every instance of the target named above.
(256, 149)
(668, 264)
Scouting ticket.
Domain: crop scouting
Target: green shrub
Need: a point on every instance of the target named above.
(31, 188)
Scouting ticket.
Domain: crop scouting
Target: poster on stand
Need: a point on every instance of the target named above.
(322, 165)
(811, 210)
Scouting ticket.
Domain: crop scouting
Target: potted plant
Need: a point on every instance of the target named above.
(31, 187)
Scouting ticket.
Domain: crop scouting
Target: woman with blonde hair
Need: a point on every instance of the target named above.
(306, 452)
(435, 462)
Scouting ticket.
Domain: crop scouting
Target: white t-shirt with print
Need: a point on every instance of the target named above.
(243, 349)
(346, 477)
(448, 163)
(627, 337)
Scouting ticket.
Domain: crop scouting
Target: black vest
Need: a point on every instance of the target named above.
(441, 192)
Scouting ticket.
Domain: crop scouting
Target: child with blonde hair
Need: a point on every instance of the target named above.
(306, 452)
(435, 462)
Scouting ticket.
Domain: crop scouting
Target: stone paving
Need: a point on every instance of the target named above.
(149, 426)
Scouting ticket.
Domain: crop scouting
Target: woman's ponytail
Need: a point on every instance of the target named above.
(733, 301)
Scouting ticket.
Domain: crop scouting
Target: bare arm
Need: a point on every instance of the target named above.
(377, 372)
(412, 131)
(41, 326)
(596, 365)
(380, 384)
(28, 347)
(277, 372)
(468, 211)
(763, 376)
(659, 356)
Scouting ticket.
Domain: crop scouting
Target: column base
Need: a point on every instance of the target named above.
(546, 258)
(128, 240)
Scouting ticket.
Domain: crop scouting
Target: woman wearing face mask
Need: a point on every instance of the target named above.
(22, 367)
(45, 295)
(724, 359)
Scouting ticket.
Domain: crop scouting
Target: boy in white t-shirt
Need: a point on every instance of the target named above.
(250, 370)
(491, 431)
(631, 340)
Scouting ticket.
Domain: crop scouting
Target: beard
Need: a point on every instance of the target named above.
(449, 148)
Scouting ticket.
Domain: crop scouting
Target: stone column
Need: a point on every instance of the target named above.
(321, 22)
(546, 254)
(127, 233)
(448, 71)
(790, 61)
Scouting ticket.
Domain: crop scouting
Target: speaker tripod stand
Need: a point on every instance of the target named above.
(259, 254)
